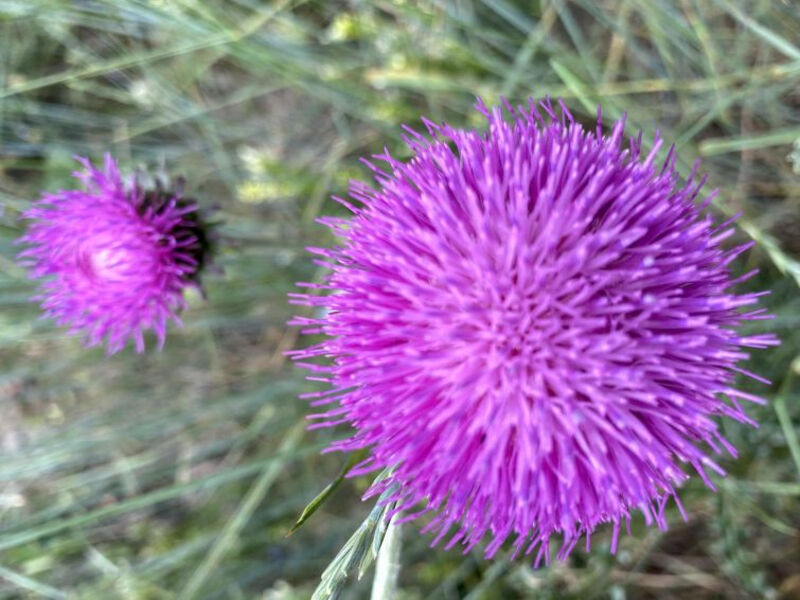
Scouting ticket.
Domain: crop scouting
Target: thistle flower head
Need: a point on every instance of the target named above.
(114, 257)
(533, 326)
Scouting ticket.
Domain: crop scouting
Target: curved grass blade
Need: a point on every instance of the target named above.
(320, 498)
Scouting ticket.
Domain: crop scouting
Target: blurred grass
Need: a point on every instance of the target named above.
(179, 474)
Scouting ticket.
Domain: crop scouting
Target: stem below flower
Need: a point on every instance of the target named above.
(387, 567)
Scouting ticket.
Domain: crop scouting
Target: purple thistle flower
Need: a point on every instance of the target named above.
(533, 327)
(115, 257)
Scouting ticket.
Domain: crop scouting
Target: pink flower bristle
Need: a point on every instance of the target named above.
(533, 327)
(115, 258)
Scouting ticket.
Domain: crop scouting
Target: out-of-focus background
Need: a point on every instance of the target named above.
(178, 474)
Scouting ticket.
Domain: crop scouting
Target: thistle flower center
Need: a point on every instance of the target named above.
(108, 263)
(123, 257)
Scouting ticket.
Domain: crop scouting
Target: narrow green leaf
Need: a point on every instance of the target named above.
(575, 85)
(765, 33)
(749, 142)
(320, 498)
(787, 427)
(26, 583)
(360, 551)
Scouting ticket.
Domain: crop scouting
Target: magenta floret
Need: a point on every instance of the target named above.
(533, 326)
(114, 258)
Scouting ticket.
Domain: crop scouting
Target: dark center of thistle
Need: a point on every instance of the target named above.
(192, 224)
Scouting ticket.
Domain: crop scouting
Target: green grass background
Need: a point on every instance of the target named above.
(178, 474)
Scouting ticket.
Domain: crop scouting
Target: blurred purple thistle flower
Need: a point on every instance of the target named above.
(115, 257)
(534, 326)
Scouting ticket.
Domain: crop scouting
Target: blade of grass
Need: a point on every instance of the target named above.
(581, 91)
(132, 60)
(148, 499)
(528, 51)
(31, 585)
(765, 33)
(320, 498)
(788, 428)
(234, 526)
(758, 141)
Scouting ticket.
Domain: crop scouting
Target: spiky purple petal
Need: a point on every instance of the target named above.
(114, 257)
(534, 326)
